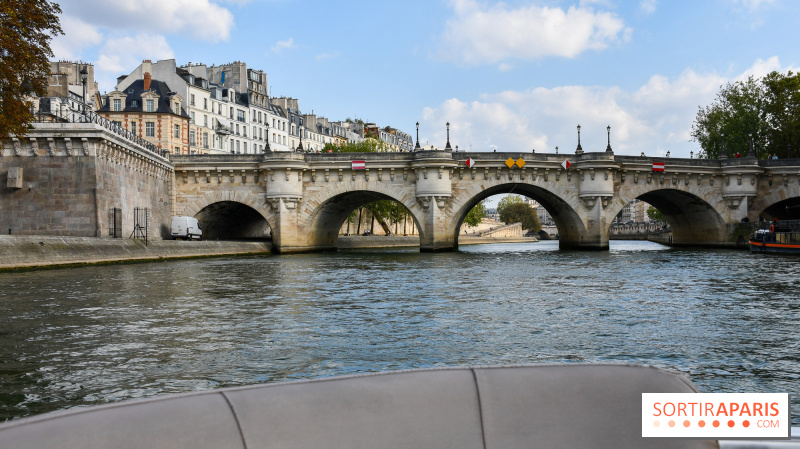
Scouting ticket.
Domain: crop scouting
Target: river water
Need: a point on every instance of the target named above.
(92, 335)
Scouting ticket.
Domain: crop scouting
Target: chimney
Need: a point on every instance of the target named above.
(147, 65)
(146, 80)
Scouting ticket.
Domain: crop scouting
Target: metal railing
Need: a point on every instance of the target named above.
(74, 111)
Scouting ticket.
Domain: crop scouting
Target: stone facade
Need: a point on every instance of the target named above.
(305, 199)
(73, 174)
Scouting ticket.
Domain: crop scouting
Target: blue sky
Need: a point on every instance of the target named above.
(515, 76)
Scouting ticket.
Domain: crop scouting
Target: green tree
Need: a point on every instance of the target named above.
(782, 98)
(26, 28)
(655, 214)
(521, 213)
(508, 201)
(365, 146)
(476, 214)
(765, 112)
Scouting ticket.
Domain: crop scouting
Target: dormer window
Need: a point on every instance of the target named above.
(117, 105)
(177, 108)
(134, 103)
(150, 105)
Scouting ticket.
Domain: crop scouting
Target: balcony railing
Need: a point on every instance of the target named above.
(74, 111)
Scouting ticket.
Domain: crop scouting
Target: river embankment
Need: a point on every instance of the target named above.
(20, 252)
(26, 252)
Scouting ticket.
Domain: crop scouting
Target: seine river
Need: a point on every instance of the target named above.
(92, 335)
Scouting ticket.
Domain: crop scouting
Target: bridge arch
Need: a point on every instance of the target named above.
(230, 215)
(693, 219)
(783, 203)
(570, 224)
(326, 213)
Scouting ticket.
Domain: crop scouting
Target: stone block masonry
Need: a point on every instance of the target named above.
(73, 174)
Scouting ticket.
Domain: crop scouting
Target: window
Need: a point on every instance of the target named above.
(177, 150)
(284, 140)
(231, 111)
(178, 108)
(237, 129)
(177, 131)
(191, 137)
(150, 106)
(231, 147)
(244, 131)
(134, 103)
(237, 147)
(192, 113)
(244, 147)
(117, 104)
(116, 123)
(240, 116)
(133, 128)
(273, 123)
(273, 138)
(205, 120)
(205, 140)
(150, 128)
(260, 133)
(191, 99)
(205, 103)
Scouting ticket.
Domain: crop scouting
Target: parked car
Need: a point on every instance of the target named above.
(186, 228)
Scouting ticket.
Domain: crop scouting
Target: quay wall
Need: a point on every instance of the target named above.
(64, 179)
(51, 251)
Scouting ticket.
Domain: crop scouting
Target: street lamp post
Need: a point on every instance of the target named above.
(448, 147)
(416, 147)
(608, 148)
(579, 150)
(691, 155)
(84, 78)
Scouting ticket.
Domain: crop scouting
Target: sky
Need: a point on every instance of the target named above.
(507, 76)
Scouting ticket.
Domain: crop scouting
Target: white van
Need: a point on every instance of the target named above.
(186, 228)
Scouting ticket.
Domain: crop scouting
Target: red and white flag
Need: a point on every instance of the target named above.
(359, 165)
(658, 166)
(566, 164)
(470, 162)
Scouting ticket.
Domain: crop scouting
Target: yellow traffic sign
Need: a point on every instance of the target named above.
(510, 162)
(520, 162)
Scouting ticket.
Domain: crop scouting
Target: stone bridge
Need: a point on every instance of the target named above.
(304, 199)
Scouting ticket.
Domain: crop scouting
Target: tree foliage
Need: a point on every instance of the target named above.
(761, 114)
(365, 146)
(476, 214)
(521, 213)
(26, 28)
(655, 214)
(508, 201)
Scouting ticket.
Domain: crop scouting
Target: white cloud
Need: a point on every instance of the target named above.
(752, 4)
(77, 36)
(120, 55)
(282, 45)
(331, 55)
(654, 118)
(198, 19)
(481, 34)
(648, 6)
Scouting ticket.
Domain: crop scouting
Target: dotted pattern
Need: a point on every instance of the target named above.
(702, 423)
